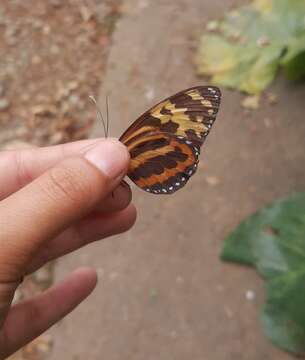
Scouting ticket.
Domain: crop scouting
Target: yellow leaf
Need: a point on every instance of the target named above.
(215, 56)
(263, 6)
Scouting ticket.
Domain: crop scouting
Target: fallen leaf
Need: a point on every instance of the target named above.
(212, 180)
(41, 345)
(273, 241)
(212, 25)
(254, 41)
(250, 102)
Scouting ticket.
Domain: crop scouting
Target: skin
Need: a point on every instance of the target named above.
(53, 201)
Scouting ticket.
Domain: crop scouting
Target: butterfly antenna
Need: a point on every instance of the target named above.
(100, 116)
(107, 113)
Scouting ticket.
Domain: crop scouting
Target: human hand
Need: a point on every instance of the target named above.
(53, 201)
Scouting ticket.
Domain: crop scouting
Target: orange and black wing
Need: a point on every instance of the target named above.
(164, 143)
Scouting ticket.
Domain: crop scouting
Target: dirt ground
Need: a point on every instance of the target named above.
(163, 292)
(45, 79)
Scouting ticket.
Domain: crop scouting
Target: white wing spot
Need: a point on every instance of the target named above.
(171, 188)
(212, 90)
(183, 179)
(188, 142)
(177, 184)
(164, 190)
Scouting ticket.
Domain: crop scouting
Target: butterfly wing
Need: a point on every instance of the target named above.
(162, 163)
(164, 143)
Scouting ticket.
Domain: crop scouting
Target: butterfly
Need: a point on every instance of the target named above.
(164, 143)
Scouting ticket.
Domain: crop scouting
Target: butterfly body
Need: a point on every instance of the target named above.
(164, 143)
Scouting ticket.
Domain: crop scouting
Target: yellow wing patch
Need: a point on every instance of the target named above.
(167, 111)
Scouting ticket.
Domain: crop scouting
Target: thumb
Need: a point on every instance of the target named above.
(54, 201)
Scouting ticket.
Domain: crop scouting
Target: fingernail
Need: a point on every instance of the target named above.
(109, 156)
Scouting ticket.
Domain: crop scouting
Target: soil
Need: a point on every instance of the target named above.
(52, 57)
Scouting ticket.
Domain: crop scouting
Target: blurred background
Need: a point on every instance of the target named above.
(163, 291)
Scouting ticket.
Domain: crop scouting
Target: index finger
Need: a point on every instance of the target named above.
(23, 166)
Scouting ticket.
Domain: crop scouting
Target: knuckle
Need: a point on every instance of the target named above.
(66, 183)
(23, 174)
(34, 310)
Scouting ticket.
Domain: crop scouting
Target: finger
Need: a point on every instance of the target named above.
(23, 166)
(93, 228)
(30, 318)
(118, 200)
(54, 201)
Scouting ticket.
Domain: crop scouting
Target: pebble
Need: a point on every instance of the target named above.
(100, 272)
(54, 49)
(267, 123)
(150, 94)
(86, 13)
(56, 138)
(74, 99)
(37, 24)
(250, 102)
(179, 279)
(272, 98)
(213, 25)
(16, 145)
(42, 345)
(250, 295)
(173, 334)
(212, 180)
(36, 60)
(4, 104)
(72, 85)
(43, 275)
(46, 29)
(263, 41)
(153, 293)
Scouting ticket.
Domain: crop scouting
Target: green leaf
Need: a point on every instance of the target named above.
(249, 50)
(237, 66)
(273, 241)
(294, 60)
(283, 316)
